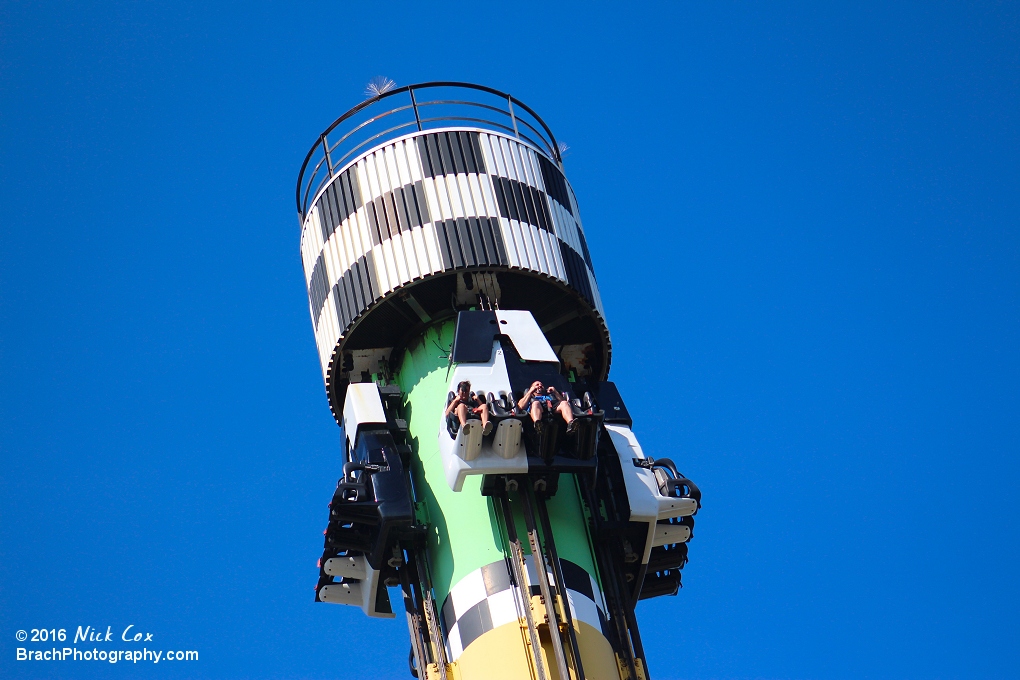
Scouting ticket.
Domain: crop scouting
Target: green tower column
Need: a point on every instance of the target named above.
(465, 532)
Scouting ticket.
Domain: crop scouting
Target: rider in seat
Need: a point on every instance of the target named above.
(465, 402)
(539, 400)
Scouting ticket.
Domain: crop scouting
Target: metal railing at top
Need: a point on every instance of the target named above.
(452, 104)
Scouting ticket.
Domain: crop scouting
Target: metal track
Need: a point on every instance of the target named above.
(519, 573)
(431, 615)
(615, 600)
(554, 559)
(543, 583)
(414, 618)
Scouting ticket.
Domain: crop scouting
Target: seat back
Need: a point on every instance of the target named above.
(452, 422)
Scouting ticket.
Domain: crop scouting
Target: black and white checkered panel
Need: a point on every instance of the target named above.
(484, 600)
(539, 214)
(434, 202)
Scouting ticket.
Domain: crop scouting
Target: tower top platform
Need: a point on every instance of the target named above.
(414, 108)
(430, 199)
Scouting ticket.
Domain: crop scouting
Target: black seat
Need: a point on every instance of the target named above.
(673, 483)
(372, 503)
(452, 421)
(512, 399)
(498, 407)
(504, 407)
(663, 576)
(584, 406)
(550, 439)
(371, 513)
(588, 419)
(660, 583)
(666, 562)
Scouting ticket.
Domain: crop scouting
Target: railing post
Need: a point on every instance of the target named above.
(325, 150)
(510, 104)
(414, 105)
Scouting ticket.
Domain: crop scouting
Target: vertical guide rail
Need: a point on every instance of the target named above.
(431, 617)
(414, 619)
(635, 637)
(610, 581)
(437, 638)
(561, 585)
(543, 584)
(517, 562)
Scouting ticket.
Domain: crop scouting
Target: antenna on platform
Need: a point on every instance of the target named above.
(379, 86)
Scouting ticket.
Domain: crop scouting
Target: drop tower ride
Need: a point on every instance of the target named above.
(442, 243)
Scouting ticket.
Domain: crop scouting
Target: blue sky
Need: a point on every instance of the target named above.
(814, 309)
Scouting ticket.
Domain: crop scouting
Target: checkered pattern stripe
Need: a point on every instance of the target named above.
(434, 202)
(484, 599)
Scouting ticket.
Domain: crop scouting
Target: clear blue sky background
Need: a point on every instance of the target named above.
(816, 312)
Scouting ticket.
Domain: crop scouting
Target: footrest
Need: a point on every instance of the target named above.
(468, 443)
(347, 566)
(667, 533)
(507, 440)
(663, 583)
(341, 593)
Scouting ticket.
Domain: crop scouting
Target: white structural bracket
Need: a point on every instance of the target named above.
(524, 332)
(647, 504)
(362, 407)
(359, 587)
